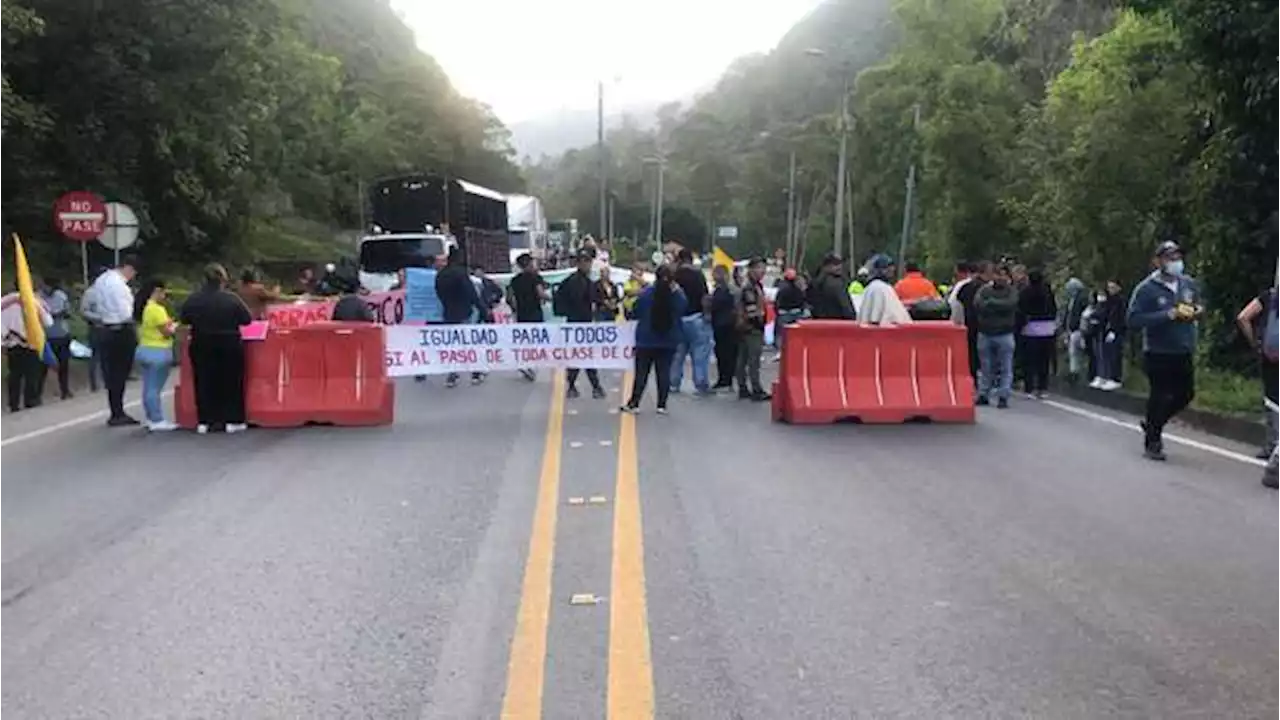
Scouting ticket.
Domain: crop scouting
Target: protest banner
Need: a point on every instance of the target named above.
(419, 305)
(437, 349)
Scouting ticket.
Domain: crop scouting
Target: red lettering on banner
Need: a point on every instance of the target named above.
(493, 357)
(628, 352)
(459, 357)
(419, 357)
(608, 352)
(393, 358)
(530, 354)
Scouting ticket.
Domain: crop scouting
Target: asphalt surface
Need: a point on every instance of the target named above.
(1032, 565)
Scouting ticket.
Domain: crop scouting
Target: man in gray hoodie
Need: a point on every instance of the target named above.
(1077, 299)
(997, 310)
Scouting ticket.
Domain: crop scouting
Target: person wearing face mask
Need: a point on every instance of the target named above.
(1109, 345)
(1165, 307)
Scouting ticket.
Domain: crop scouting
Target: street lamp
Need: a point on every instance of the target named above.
(842, 162)
(791, 199)
(603, 179)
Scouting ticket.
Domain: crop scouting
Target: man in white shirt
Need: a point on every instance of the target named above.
(113, 302)
(89, 311)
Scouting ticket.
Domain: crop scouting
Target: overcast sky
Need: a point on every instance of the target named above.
(530, 58)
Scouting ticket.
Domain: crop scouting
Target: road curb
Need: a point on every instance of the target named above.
(1249, 432)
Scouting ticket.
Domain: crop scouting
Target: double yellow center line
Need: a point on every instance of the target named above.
(630, 672)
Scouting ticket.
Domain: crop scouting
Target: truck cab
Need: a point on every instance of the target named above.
(383, 256)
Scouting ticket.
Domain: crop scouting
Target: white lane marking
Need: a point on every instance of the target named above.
(48, 429)
(1214, 449)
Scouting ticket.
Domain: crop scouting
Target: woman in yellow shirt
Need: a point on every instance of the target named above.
(155, 350)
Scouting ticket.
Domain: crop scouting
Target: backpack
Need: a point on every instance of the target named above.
(1271, 331)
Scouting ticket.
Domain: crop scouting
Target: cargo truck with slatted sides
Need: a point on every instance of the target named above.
(418, 218)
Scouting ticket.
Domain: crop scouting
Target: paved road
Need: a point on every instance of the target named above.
(1029, 566)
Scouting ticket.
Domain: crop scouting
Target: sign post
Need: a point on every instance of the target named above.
(121, 230)
(80, 216)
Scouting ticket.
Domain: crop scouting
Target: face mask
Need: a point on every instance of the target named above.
(1173, 267)
(1102, 298)
(594, 275)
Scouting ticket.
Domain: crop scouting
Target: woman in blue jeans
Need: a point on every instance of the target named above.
(155, 350)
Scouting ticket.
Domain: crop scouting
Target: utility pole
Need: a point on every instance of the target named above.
(602, 227)
(662, 171)
(838, 243)
(911, 193)
(791, 209)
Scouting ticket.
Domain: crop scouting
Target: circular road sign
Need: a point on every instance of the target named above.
(121, 228)
(80, 215)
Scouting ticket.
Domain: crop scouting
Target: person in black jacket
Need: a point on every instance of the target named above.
(724, 317)
(830, 295)
(460, 300)
(1109, 342)
(790, 301)
(577, 300)
(214, 317)
(1038, 319)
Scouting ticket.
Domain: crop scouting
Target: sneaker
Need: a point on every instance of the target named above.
(981, 401)
(571, 393)
(477, 379)
(161, 426)
(1097, 383)
(1039, 395)
(1269, 478)
(704, 393)
(629, 410)
(420, 378)
(202, 429)
(451, 382)
(744, 395)
(1110, 385)
(122, 421)
(1002, 404)
(1153, 451)
(233, 428)
(67, 395)
(661, 411)
(529, 375)
(1264, 453)
(598, 393)
(761, 396)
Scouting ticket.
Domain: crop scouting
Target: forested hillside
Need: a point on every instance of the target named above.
(1073, 133)
(238, 129)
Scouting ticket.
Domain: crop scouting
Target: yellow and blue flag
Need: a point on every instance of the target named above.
(30, 307)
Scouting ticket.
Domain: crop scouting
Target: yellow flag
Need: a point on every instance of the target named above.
(30, 308)
(720, 258)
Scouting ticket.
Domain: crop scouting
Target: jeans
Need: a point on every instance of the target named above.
(995, 353)
(697, 345)
(657, 359)
(61, 347)
(1110, 358)
(156, 364)
(785, 318)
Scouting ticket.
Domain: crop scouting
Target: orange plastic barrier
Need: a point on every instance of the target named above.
(835, 370)
(325, 372)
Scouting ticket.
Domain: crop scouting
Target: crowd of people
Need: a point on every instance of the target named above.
(1015, 326)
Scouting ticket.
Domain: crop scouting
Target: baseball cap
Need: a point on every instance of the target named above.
(1168, 247)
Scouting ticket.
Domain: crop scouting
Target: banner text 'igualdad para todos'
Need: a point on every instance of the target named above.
(435, 349)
